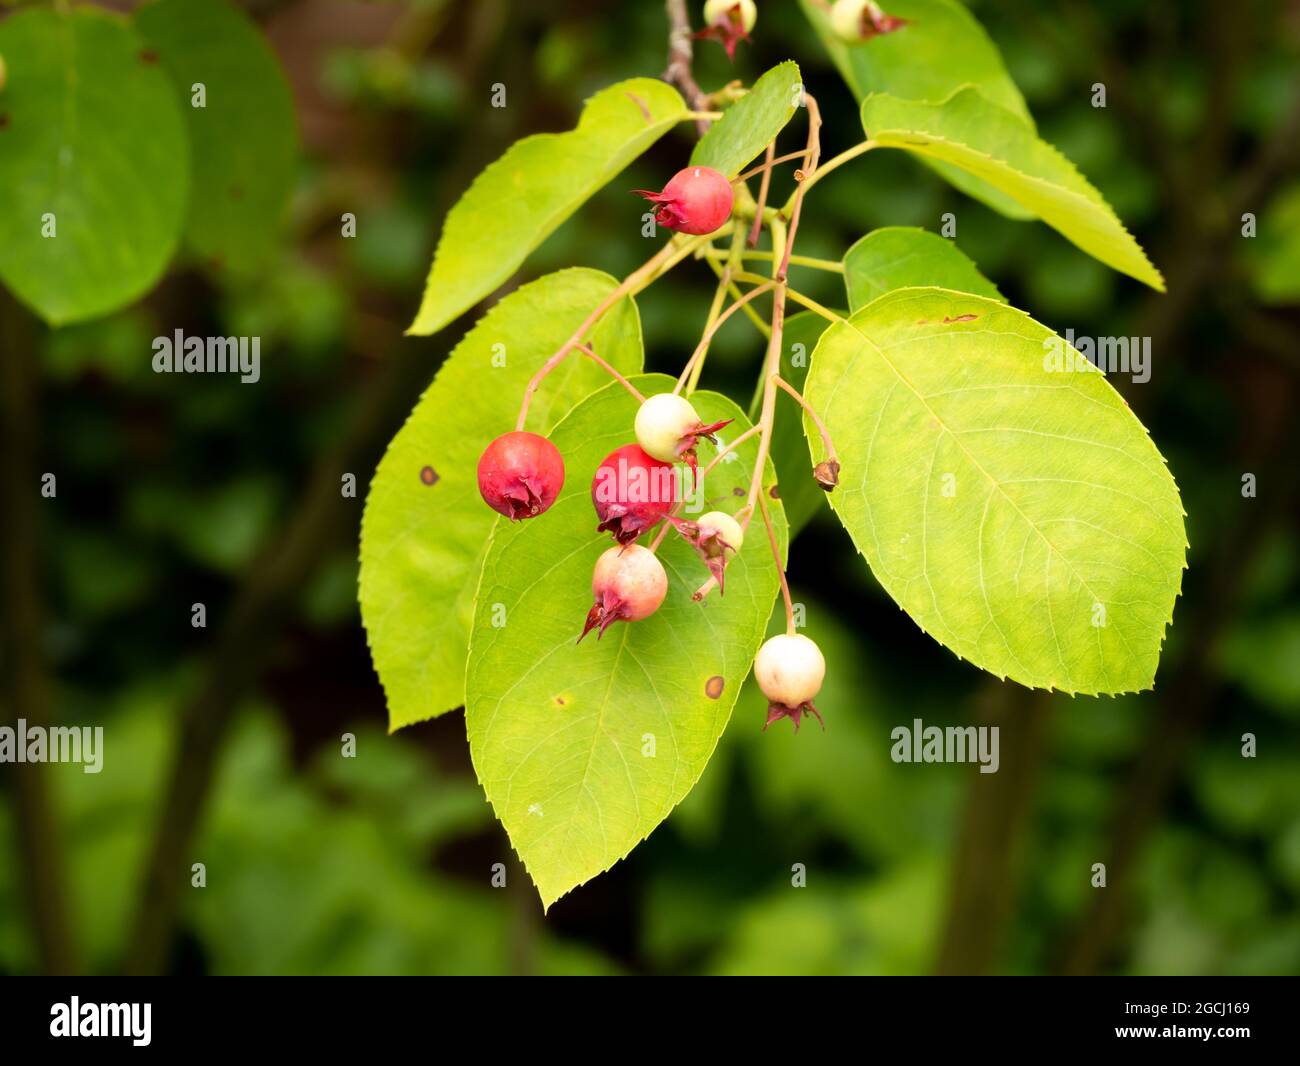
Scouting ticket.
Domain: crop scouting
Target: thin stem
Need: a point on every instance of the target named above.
(680, 58)
(715, 308)
(829, 265)
(734, 290)
(810, 174)
(780, 568)
(703, 346)
(817, 421)
(656, 266)
(831, 164)
(555, 361)
(636, 394)
(659, 537)
(771, 367)
(778, 241)
(766, 169)
(768, 164)
(796, 296)
(728, 449)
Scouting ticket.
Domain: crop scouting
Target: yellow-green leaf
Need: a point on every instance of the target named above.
(983, 139)
(1002, 491)
(522, 198)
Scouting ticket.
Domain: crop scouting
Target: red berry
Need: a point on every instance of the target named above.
(520, 474)
(697, 200)
(632, 492)
(629, 584)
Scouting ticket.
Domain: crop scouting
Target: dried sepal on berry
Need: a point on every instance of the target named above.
(632, 492)
(728, 22)
(520, 474)
(697, 200)
(717, 537)
(856, 21)
(668, 428)
(628, 583)
(789, 669)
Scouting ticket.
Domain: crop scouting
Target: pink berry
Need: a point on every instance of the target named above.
(632, 491)
(697, 200)
(629, 583)
(520, 474)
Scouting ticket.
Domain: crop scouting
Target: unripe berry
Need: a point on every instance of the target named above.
(668, 428)
(742, 12)
(856, 21)
(717, 537)
(520, 474)
(632, 491)
(790, 669)
(729, 21)
(697, 200)
(629, 583)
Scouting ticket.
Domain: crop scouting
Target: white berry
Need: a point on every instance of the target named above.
(789, 669)
(661, 423)
(717, 9)
(846, 19)
(728, 530)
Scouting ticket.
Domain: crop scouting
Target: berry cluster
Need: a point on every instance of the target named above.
(635, 489)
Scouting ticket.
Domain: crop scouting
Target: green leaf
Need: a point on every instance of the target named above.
(243, 141)
(901, 257)
(1274, 257)
(559, 731)
(802, 496)
(92, 144)
(1007, 499)
(522, 198)
(422, 544)
(752, 122)
(942, 49)
(992, 143)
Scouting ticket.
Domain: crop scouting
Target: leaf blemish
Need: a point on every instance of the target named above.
(959, 318)
(713, 687)
(645, 108)
(429, 476)
(149, 56)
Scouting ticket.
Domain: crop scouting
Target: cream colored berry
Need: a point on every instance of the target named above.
(790, 669)
(718, 9)
(662, 423)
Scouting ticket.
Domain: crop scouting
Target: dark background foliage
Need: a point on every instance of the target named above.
(176, 491)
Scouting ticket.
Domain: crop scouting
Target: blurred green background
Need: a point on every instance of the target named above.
(174, 491)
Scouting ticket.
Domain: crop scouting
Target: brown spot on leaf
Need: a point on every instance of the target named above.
(149, 56)
(713, 686)
(429, 476)
(645, 108)
(4, 122)
(922, 321)
(236, 192)
(775, 492)
(560, 701)
(959, 318)
(737, 491)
